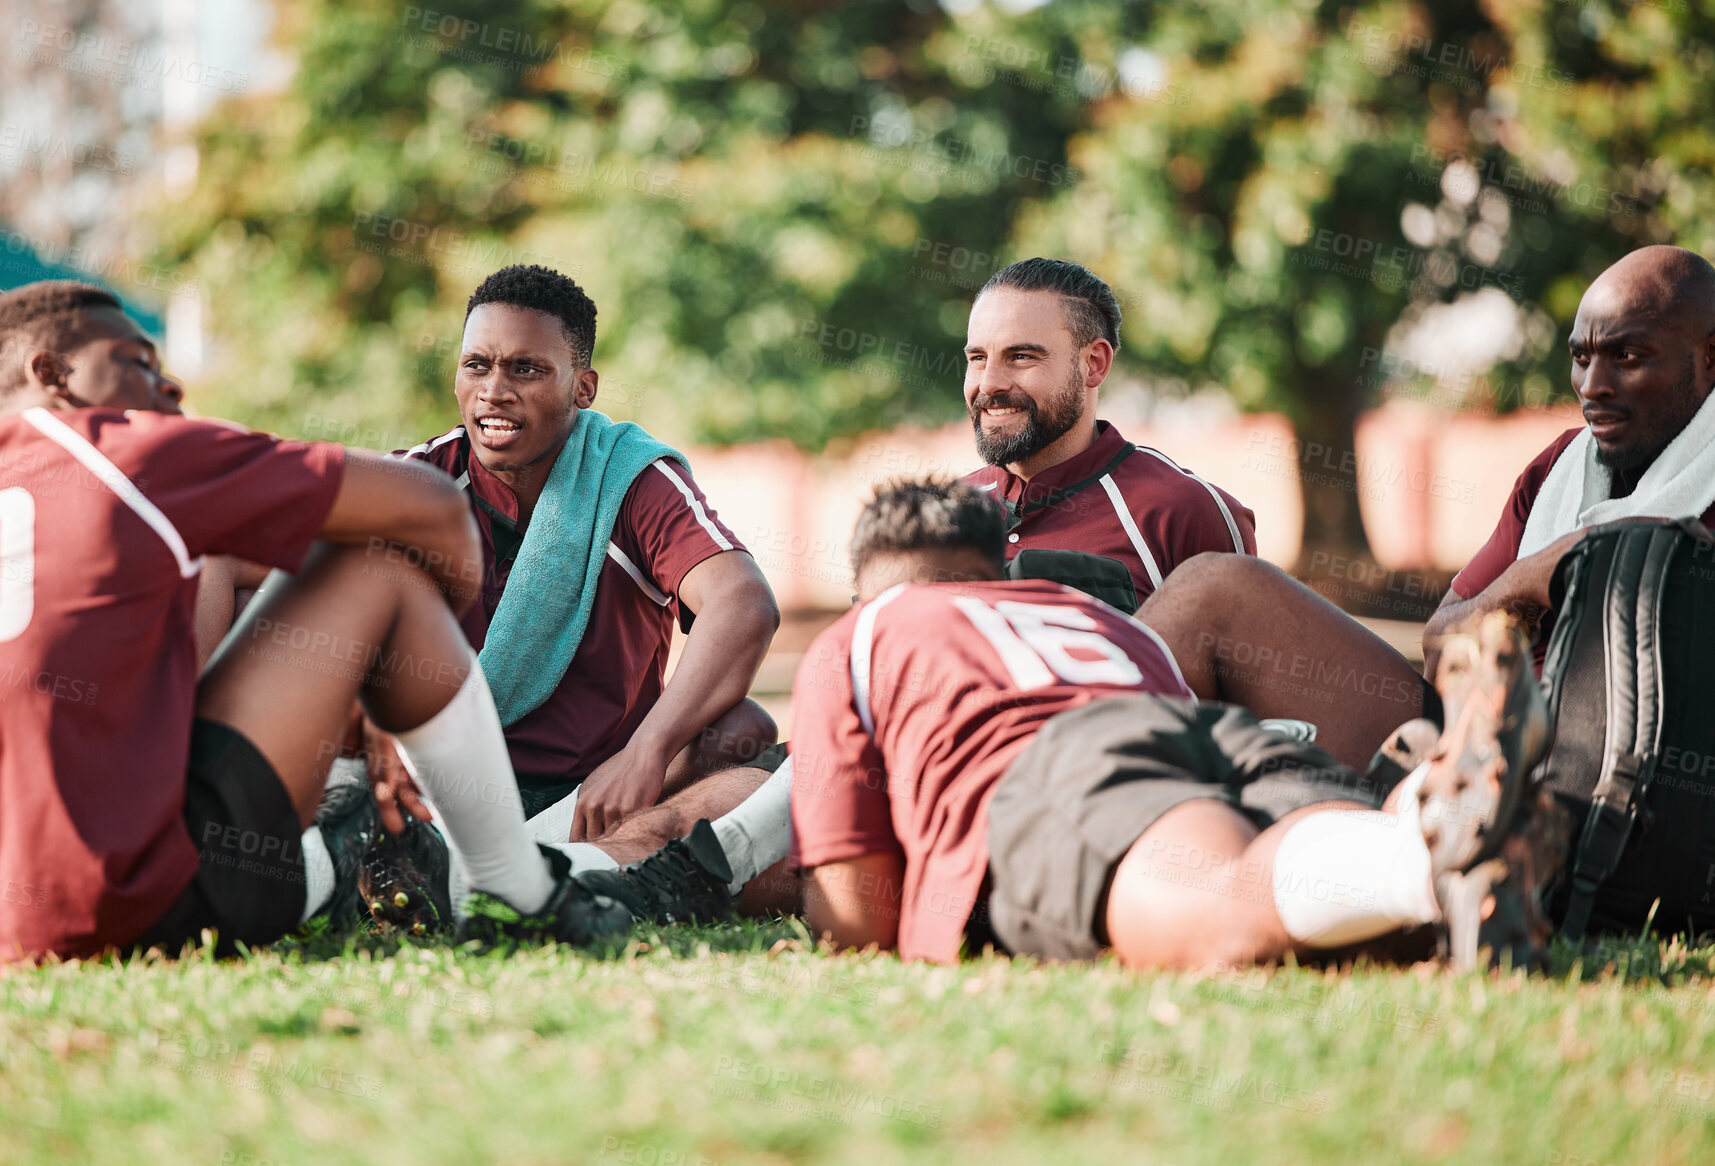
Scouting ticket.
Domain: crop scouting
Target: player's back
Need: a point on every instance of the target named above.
(908, 712)
(103, 519)
(956, 675)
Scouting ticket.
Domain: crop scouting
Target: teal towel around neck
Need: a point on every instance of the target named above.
(546, 606)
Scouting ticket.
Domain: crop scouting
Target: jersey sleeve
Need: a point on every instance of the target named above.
(840, 807)
(1206, 518)
(232, 491)
(667, 527)
(1501, 551)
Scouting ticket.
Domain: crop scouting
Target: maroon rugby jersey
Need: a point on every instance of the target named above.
(104, 519)
(1501, 551)
(1144, 511)
(908, 711)
(665, 528)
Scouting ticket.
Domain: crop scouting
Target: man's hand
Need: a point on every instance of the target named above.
(1525, 584)
(628, 781)
(396, 794)
(1522, 590)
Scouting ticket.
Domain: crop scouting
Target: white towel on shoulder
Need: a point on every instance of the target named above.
(1680, 483)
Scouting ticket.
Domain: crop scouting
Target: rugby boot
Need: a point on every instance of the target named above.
(573, 914)
(683, 882)
(1406, 748)
(349, 822)
(1494, 838)
(405, 880)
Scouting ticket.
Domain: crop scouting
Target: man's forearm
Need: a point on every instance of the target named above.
(720, 661)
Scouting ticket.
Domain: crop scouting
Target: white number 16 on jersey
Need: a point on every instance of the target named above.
(17, 561)
(1036, 640)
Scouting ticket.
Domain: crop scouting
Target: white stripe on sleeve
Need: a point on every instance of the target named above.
(114, 479)
(721, 540)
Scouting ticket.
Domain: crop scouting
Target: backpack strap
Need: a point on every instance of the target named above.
(1631, 616)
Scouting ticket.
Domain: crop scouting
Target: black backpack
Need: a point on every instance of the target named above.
(1630, 681)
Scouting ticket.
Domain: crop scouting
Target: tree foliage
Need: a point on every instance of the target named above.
(783, 209)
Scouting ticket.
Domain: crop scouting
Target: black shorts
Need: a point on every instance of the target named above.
(771, 758)
(538, 793)
(249, 883)
(1094, 779)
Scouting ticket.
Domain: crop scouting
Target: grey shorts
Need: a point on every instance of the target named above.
(1095, 778)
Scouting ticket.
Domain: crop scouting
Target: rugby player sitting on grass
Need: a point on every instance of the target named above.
(1013, 762)
(157, 805)
(1643, 364)
(595, 538)
(1094, 510)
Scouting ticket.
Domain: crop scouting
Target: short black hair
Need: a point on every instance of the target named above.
(929, 514)
(1091, 309)
(543, 290)
(47, 314)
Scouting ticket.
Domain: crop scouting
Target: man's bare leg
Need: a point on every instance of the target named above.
(734, 739)
(1247, 633)
(649, 830)
(1166, 909)
(349, 627)
(1203, 887)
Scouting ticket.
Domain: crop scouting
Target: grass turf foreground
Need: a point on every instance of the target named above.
(740, 1044)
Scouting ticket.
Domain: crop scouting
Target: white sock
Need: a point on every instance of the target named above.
(758, 831)
(554, 825)
(586, 856)
(319, 877)
(346, 771)
(1346, 876)
(458, 757)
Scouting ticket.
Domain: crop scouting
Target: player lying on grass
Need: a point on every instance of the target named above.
(139, 805)
(1014, 762)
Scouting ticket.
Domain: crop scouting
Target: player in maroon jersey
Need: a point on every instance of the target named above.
(140, 805)
(1087, 508)
(1643, 367)
(1014, 762)
(1094, 507)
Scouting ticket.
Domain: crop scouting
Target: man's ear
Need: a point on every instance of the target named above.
(1098, 361)
(589, 382)
(47, 371)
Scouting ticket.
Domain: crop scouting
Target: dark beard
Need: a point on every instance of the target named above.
(1628, 463)
(1042, 426)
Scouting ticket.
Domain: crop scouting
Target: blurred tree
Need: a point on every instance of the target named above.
(745, 191)
(1305, 180)
(783, 208)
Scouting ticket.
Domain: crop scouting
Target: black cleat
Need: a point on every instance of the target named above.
(573, 914)
(405, 880)
(1494, 840)
(683, 882)
(1406, 748)
(349, 824)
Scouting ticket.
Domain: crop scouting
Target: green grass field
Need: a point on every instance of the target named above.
(740, 1044)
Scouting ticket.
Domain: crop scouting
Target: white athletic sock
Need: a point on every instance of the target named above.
(347, 771)
(319, 877)
(758, 831)
(458, 757)
(554, 825)
(1346, 876)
